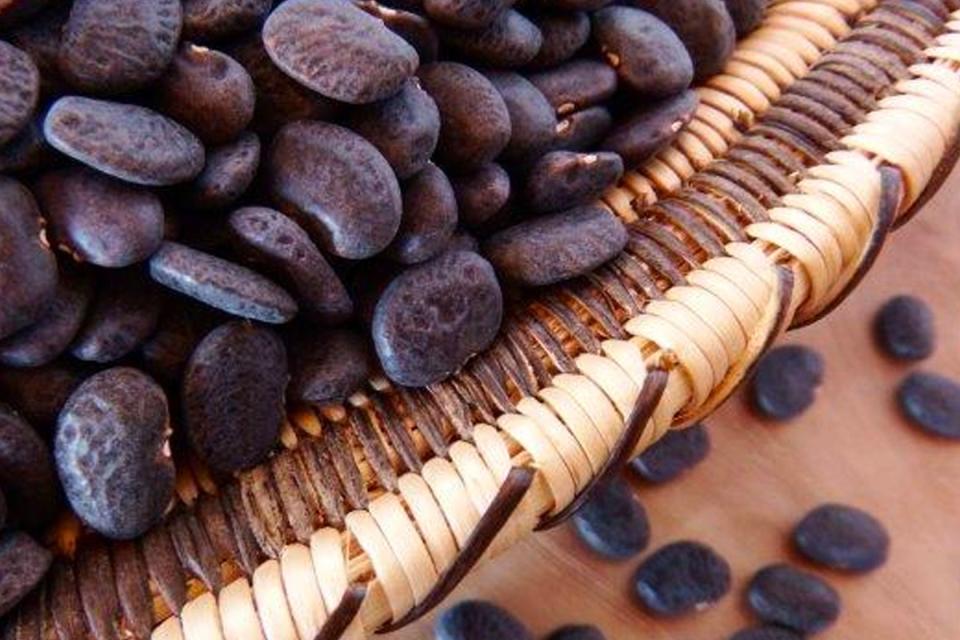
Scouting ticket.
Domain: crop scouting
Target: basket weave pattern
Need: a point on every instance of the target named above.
(829, 126)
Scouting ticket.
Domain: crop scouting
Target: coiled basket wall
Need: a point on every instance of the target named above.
(830, 126)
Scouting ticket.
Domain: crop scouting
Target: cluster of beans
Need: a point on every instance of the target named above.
(209, 208)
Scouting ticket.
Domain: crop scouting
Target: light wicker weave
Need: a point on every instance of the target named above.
(831, 125)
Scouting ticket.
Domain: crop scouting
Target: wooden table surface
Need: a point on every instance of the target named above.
(760, 478)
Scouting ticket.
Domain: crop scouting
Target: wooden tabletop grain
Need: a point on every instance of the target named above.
(760, 478)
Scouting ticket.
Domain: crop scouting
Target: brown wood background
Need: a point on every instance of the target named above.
(851, 447)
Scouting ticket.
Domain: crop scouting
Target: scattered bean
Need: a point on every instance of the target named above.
(673, 455)
(782, 595)
(785, 381)
(612, 522)
(904, 329)
(478, 620)
(842, 537)
(765, 633)
(680, 578)
(577, 632)
(931, 402)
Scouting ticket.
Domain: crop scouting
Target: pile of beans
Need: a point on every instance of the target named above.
(211, 208)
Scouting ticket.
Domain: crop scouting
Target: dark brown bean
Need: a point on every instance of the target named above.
(565, 179)
(112, 452)
(481, 194)
(613, 523)
(746, 14)
(40, 39)
(227, 175)
(39, 393)
(114, 46)
(23, 251)
(842, 537)
(98, 219)
(931, 402)
(270, 238)
(221, 284)
(648, 130)
(463, 241)
(564, 33)
(647, 54)
(673, 455)
(280, 98)
(23, 563)
(478, 620)
(327, 366)
(785, 381)
(404, 128)
(27, 477)
(50, 335)
(338, 50)
(556, 247)
(434, 316)
(533, 123)
(466, 14)
(583, 130)
(474, 121)
(781, 595)
(903, 327)
(704, 26)
(181, 326)
(429, 217)
(208, 92)
(123, 315)
(27, 152)
(232, 395)
(509, 41)
(412, 27)
(19, 90)
(12, 11)
(576, 84)
(337, 185)
(680, 578)
(208, 20)
(126, 141)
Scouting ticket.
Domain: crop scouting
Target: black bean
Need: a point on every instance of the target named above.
(27, 476)
(208, 92)
(746, 14)
(272, 239)
(556, 247)
(931, 402)
(781, 595)
(474, 121)
(52, 333)
(765, 633)
(227, 175)
(576, 84)
(99, 219)
(27, 152)
(583, 130)
(704, 26)
(112, 452)
(673, 455)
(478, 620)
(404, 128)
(434, 316)
(564, 179)
(429, 217)
(337, 185)
(481, 194)
(612, 522)
(19, 90)
(39, 393)
(577, 632)
(124, 314)
(785, 381)
(564, 33)
(206, 20)
(681, 578)
(23, 563)
(466, 14)
(280, 98)
(327, 366)
(338, 50)
(842, 537)
(233, 393)
(114, 46)
(648, 130)
(647, 54)
(532, 120)
(509, 41)
(904, 328)
(23, 251)
(126, 141)
(221, 284)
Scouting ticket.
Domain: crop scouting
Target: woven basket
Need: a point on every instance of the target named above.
(831, 124)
